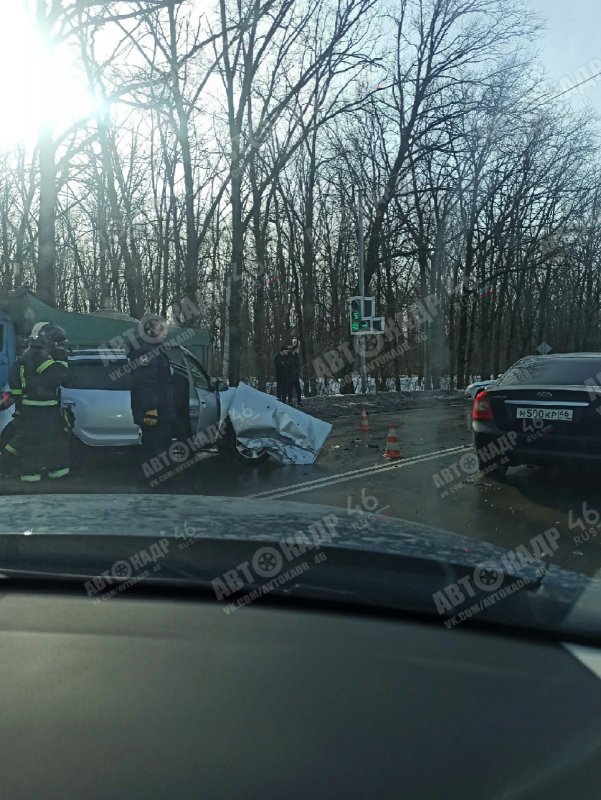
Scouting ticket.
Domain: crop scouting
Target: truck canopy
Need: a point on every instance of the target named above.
(24, 309)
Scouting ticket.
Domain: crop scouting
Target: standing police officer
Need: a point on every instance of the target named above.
(41, 439)
(152, 389)
(280, 364)
(293, 376)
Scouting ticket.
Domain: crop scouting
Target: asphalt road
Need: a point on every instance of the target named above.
(434, 483)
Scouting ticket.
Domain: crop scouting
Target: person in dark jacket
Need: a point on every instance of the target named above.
(293, 376)
(280, 364)
(9, 456)
(152, 389)
(41, 439)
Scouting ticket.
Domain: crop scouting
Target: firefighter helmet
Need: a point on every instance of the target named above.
(52, 334)
(37, 328)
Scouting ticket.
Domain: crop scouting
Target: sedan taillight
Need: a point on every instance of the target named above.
(482, 408)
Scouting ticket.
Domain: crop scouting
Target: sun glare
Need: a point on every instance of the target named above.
(40, 82)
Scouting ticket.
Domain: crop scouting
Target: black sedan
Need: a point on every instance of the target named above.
(545, 409)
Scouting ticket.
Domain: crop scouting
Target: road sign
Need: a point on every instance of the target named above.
(544, 349)
(363, 321)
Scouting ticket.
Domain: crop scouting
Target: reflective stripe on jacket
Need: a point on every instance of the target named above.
(41, 376)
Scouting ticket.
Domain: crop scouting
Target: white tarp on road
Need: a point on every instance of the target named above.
(261, 421)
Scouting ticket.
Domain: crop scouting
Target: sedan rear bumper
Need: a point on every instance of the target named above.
(537, 447)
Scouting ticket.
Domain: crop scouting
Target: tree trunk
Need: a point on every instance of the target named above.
(183, 137)
(45, 273)
(235, 299)
(135, 303)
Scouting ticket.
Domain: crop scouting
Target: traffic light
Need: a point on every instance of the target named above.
(358, 323)
(363, 321)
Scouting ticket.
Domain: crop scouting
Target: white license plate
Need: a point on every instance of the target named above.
(563, 414)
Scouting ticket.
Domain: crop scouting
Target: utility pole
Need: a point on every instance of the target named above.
(361, 287)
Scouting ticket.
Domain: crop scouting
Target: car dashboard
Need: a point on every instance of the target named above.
(154, 697)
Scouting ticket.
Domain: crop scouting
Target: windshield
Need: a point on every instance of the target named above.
(343, 255)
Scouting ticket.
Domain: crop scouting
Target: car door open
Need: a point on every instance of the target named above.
(204, 405)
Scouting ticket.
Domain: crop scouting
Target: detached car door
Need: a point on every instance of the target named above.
(204, 405)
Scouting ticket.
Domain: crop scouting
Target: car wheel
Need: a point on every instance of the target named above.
(242, 454)
(247, 456)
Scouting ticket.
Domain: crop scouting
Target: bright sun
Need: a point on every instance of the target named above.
(39, 84)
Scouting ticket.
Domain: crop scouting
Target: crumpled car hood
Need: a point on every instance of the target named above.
(261, 421)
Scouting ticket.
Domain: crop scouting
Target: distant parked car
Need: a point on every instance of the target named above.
(473, 389)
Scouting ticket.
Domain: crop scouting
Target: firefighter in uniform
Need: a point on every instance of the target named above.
(42, 441)
(9, 455)
(152, 389)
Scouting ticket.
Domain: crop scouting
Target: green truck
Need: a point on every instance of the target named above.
(21, 309)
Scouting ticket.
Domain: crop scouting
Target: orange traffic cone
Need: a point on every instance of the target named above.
(364, 424)
(392, 443)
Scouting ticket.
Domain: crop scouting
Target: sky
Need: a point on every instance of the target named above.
(571, 45)
(36, 86)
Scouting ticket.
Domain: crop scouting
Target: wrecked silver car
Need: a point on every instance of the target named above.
(248, 424)
(263, 424)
